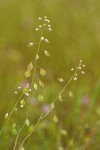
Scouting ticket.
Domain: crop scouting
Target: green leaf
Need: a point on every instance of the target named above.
(52, 105)
(25, 90)
(31, 129)
(22, 102)
(60, 98)
(27, 73)
(41, 83)
(14, 131)
(30, 66)
(35, 86)
(56, 119)
(42, 72)
(46, 53)
(27, 122)
(40, 97)
(60, 79)
(37, 56)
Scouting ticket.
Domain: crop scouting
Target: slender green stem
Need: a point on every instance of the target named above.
(18, 136)
(11, 113)
(34, 72)
(42, 116)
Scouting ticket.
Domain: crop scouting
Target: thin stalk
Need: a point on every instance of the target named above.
(18, 136)
(11, 113)
(34, 72)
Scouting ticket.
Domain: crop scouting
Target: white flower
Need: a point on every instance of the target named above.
(79, 67)
(83, 65)
(49, 29)
(6, 115)
(83, 72)
(60, 80)
(48, 20)
(40, 18)
(30, 90)
(80, 61)
(27, 94)
(37, 56)
(30, 44)
(42, 38)
(46, 40)
(49, 25)
(72, 69)
(15, 92)
(19, 87)
(75, 78)
(46, 53)
(40, 26)
(44, 24)
(37, 29)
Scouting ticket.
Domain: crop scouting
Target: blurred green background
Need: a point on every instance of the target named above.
(75, 35)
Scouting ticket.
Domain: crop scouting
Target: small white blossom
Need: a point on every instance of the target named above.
(46, 53)
(49, 25)
(40, 18)
(72, 69)
(83, 65)
(83, 72)
(60, 80)
(37, 29)
(75, 78)
(71, 94)
(27, 85)
(16, 92)
(80, 61)
(49, 29)
(37, 56)
(19, 87)
(30, 44)
(48, 20)
(40, 26)
(42, 38)
(6, 115)
(27, 94)
(79, 67)
(30, 90)
(46, 40)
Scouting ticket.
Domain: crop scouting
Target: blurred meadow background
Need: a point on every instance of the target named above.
(75, 36)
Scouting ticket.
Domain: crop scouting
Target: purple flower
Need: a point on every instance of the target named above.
(46, 108)
(86, 100)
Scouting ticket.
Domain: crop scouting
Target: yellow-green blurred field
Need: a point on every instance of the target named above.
(75, 36)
